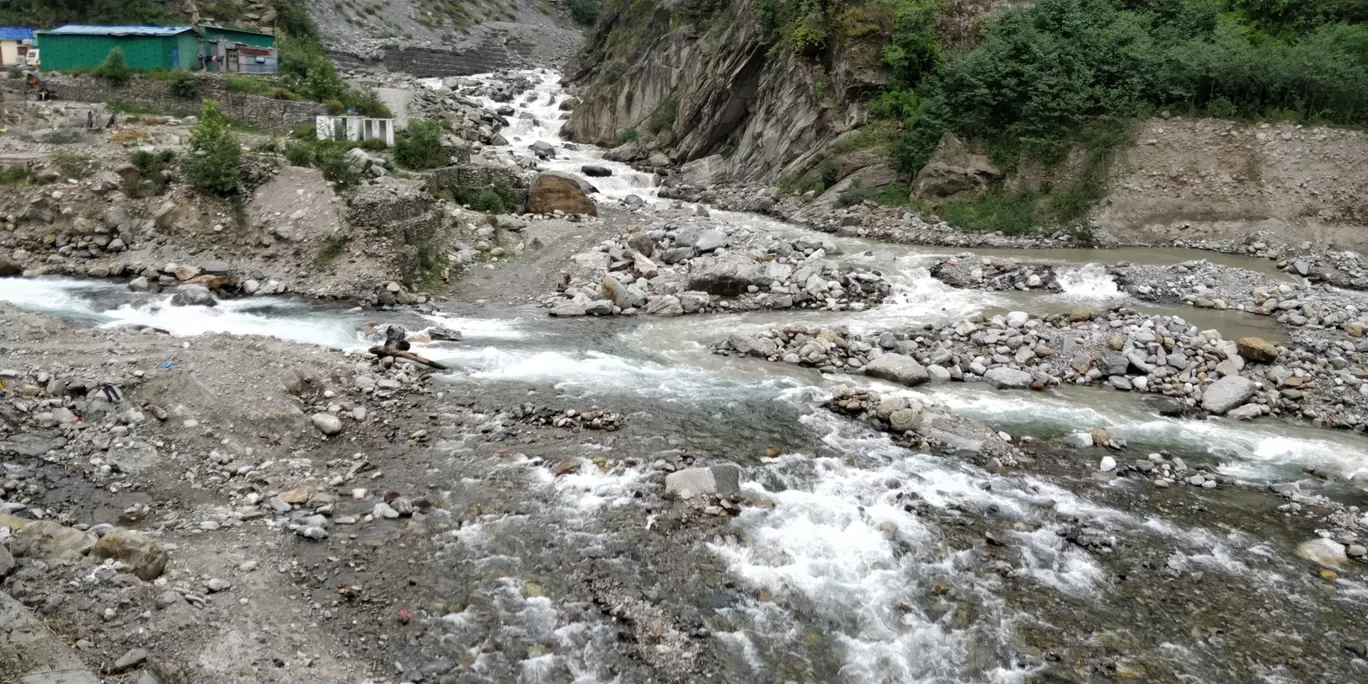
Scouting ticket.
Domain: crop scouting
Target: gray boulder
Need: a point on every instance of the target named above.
(1003, 377)
(727, 275)
(718, 479)
(898, 368)
(1227, 393)
(193, 295)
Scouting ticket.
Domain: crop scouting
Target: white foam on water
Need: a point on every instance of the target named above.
(241, 317)
(1256, 452)
(596, 372)
(472, 328)
(543, 123)
(919, 298)
(1089, 281)
(51, 295)
(840, 540)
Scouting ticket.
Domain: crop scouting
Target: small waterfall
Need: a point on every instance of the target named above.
(1089, 281)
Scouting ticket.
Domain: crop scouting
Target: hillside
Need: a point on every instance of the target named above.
(1028, 105)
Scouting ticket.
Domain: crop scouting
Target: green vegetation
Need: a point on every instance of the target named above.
(14, 175)
(184, 84)
(114, 69)
(57, 12)
(627, 135)
(486, 199)
(153, 172)
(584, 12)
(1046, 78)
(333, 246)
(214, 163)
(826, 174)
(73, 165)
(420, 145)
(15, 73)
(663, 118)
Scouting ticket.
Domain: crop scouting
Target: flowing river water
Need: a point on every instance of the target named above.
(869, 564)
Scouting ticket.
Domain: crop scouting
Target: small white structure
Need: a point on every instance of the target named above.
(355, 128)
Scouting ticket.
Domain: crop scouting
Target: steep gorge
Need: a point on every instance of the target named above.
(692, 81)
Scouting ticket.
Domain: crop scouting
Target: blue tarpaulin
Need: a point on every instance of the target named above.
(16, 33)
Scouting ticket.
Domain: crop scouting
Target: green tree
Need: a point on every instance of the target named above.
(114, 69)
(214, 164)
(420, 145)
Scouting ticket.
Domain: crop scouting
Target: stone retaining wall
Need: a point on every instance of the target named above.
(491, 55)
(254, 110)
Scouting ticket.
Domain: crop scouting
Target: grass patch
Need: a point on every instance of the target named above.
(333, 246)
(663, 118)
(993, 211)
(153, 168)
(72, 165)
(891, 196)
(14, 175)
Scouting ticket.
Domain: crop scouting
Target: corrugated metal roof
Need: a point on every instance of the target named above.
(92, 30)
(234, 30)
(16, 33)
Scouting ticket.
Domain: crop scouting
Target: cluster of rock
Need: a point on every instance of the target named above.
(968, 271)
(471, 123)
(683, 266)
(1206, 285)
(570, 419)
(915, 424)
(1123, 349)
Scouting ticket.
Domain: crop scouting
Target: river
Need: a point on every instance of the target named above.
(869, 565)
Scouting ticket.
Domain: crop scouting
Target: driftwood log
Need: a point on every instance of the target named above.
(400, 354)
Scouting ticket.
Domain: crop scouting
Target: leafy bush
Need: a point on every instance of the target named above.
(335, 107)
(214, 163)
(15, 73)
(487, 200)
(72, 165)
(373, 144)
(420, 145)
(367, 102)
(914, 49)
(14, 175)
(184, 84)
(584, 12)
(627, 135)
(663, 118)
(114, 69)
(1044, 72)
(152, 171)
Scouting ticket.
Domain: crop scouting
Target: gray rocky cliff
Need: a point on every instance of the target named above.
(766, 111)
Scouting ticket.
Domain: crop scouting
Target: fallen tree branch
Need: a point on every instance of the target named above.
(386, 351)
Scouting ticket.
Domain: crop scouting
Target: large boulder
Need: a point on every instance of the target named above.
(953, 173)
(1227, 393)
(727, 275)
(1003, 377)
(704, 172)
(718, 479)
(48, 540)
(543, 149)
(553, 191)
(193, 294)
(898, 368)
(1257, 349)
(145, 556)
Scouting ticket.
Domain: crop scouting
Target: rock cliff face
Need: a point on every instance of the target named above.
(717, 86)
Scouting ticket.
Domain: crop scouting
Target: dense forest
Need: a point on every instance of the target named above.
(1044, 78)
